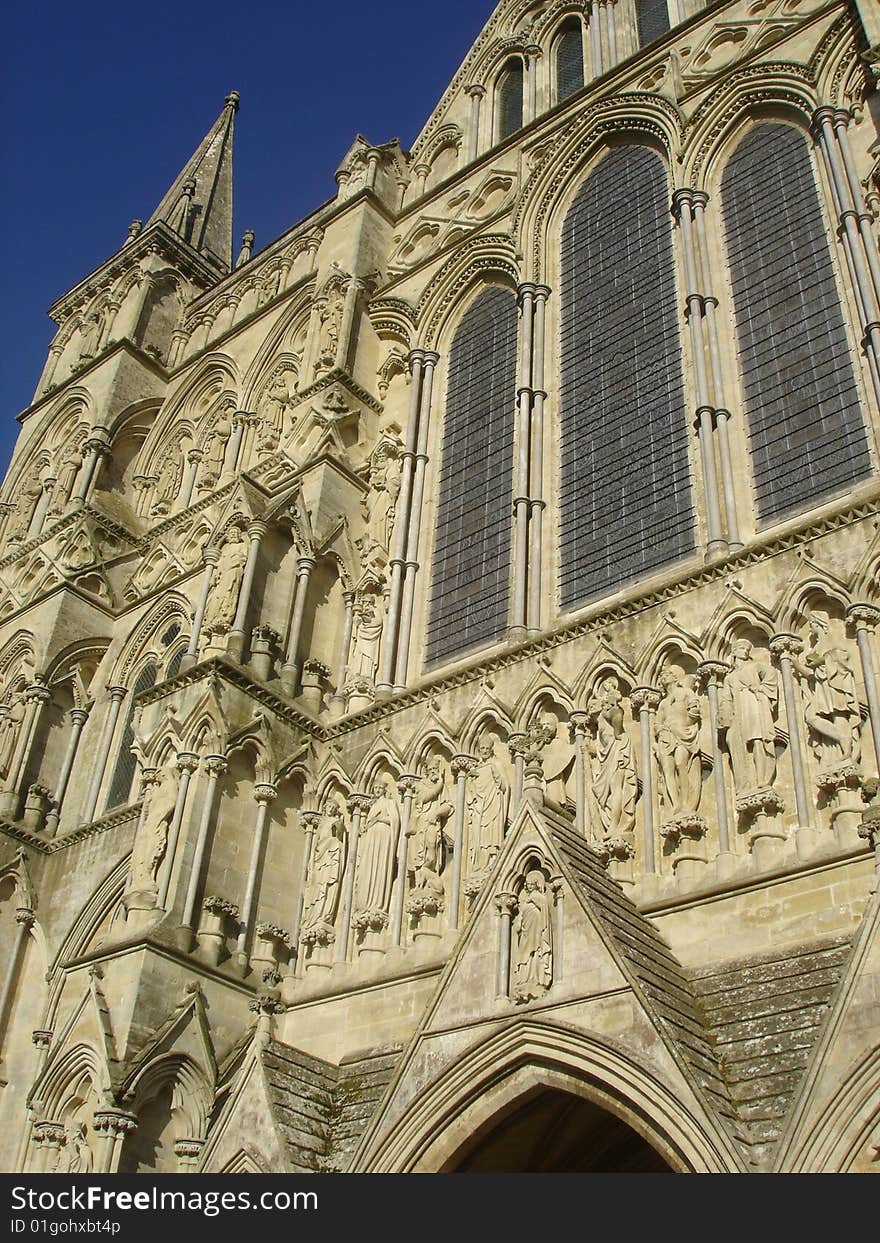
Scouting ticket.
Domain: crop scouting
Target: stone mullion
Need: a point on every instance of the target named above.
(476, 94)
(210, 556)
(265, 795)
(595, 29)
(705, 414)
(415, 526)
(215, 766)
(401, 525)
(647, 700)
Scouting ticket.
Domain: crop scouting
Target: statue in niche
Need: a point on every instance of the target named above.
(677, 742)
(9, 727)
(746, 707)
(364, 659)
(92, 331)
(831, 708)
(486, 807)
(152, 839)
(227, 582)
(276, 402)
(381, 504)
(28, 498)
(215, 449)
(375, 863)
(532, 936)
(62, 490)
(325, 871)
(432, 808)
(614, 784)
(557, 759)
(77, 1155)
(168, 483)
(329, 327)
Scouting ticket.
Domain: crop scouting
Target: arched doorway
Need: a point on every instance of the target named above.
(555, 1132)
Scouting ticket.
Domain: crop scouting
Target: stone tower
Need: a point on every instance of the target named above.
(438, 666)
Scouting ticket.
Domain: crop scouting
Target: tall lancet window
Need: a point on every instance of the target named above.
(806, 433)
(126, 764)
(569, 60)
(652, 17)
(469, 594)
(626, 507)
(510, 99)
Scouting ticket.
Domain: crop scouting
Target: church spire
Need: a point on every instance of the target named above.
(198, 205)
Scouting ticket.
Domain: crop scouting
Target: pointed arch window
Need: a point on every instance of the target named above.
(126, 764)
(626, 506)
(806, 433)
(469, 590)
(652, 18)
(510, 99)
(568, 60)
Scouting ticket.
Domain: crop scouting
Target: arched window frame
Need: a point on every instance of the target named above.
(719, 278)
(641, 17)
(515, 62)
(567, 26)
(149, 661)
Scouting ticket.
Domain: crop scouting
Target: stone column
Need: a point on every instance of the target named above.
(42, 507)
(358, 804)
(518, 745)
(210, 557)
(187, 763)
(337, 699)
(235, 639)
(682, 209)
(290, 665)
(397, 562)
(407, 787)
(784, 647)
(310, 824)
(713, 673)
(24, 918)
(112, 1125)
(78, 718)
(476, 94)
(233, 448)
(37, 695)
(864, 617)
(93, 450)
(215, 766)
(536, 468)
(611, 30)
(193, 457)
(578, 722)
(699, 200)
(646, 699)
(505, 905)
(415, 523)
(523, 435)
(462, 766)
(343, 346)
(557, 888)
(117, 694)
(421, 171)
(265, 795)
(48, 1136)
(595, 29)
(864, 217)
(532, 54)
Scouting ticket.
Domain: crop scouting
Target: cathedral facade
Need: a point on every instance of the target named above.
(438, 651)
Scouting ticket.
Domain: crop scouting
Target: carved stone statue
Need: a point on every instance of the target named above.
(532, 940)
(215, 450)
(330, 325)
(321, 894)
(486, 807)
(614, 783)
(62, 490)
(746, 707)
(364, 660)
(831, 708)
(168, 484)
(28, 496)
(381, 504)
(558, 759)
(273, 408)
(77, 1156)
(375, 862)
(677, 743)
(431, 810)
(9, 727)
(227, 581)
(152, 839)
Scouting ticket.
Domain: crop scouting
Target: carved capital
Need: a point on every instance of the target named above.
(461, 765)
(407, 784)
(257, 529)
(518, 745)
(360, 803)
(505, 903)
(115, 1122)
(117, 693)
(48, 1133)
(645, 697)
(264, 792)
(42, 1038)
(25, 917)
(310, 820)
(215, 765)
(713, 672)
(786, 645)
(190, 1149)
(187, 761)
(863, 616)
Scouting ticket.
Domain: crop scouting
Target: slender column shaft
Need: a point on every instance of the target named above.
(406, 785)
(517, 745)
(215, 766)
(536, 468)
(304, 567)
(521, 500)
(612, 33)
(24, 918)
(558, 891)
(579, 726)
(783, 646)
(343, 348)
(532, 55)
(42, 508)
(713, 672)
(401, 525)
(235, 644)
(461, 767)
(476, 93)
(36, 696)
(596, 38)
(646, 699)
(415, 519)
(233, 448)
(193, 458)
(78, 718)
(93, 450)
(117, 694)
(841, 124)
(265, 795)
(310, 824)
(505, 904)
(348, 884)
(187, 762)
(344, 645)
(864, 618)
(209, 556)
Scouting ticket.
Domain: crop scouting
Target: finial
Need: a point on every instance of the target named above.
(133, 230)
(247, 243)
(232, 100)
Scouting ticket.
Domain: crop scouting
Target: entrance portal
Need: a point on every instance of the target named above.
(556, 1132)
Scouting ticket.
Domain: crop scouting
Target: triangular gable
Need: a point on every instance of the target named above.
(185, 1033)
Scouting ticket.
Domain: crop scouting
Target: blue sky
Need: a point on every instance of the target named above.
(103, 101)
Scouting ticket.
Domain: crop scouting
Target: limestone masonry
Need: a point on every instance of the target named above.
(438, 651)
